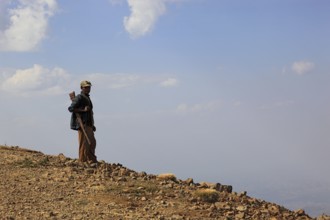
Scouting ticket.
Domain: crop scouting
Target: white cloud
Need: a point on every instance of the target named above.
(169, 82)
(28, 24)
(36, 80)
(144, 15)
(196, 108)
(302, 67)
(54, 81)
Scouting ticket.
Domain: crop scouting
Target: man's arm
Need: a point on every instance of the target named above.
(81, 110)
(75, 105)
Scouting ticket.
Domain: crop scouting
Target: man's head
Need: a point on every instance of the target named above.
(85, 86)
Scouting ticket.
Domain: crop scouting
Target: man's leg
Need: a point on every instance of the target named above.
(90, 152)
(82, 146)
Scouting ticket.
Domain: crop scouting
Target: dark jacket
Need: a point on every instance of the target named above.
(80, 102)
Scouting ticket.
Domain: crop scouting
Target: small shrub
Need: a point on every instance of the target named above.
(115, 188)
(26, 163)
(207, 195)
(43, 162)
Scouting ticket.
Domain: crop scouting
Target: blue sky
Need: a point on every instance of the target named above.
(234, 91)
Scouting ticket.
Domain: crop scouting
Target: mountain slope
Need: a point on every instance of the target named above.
(38, 186)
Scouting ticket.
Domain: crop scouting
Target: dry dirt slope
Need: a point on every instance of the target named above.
(38, 186)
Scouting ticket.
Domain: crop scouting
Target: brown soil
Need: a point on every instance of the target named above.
(38, 186)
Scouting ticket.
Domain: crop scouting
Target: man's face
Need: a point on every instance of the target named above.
(86, 89)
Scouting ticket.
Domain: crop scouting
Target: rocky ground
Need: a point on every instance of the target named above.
(38, 186)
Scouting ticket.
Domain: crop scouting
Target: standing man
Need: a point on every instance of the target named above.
(82, 107)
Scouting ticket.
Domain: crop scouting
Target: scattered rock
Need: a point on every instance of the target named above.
(323, 217)
(226, 188)
(300, 212)
(38, 186)
(189, 181)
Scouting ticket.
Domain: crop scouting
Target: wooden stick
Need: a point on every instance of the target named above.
(72, 96)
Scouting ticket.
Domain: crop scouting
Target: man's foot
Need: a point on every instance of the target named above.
(93, 164)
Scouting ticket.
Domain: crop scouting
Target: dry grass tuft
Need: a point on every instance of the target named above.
(207, 195)
(167, 176)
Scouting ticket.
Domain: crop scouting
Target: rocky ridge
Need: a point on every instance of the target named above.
(38, 186)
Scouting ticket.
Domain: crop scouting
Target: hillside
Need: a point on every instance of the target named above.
(38, 186)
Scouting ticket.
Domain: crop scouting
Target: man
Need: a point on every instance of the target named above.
(82, 107)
